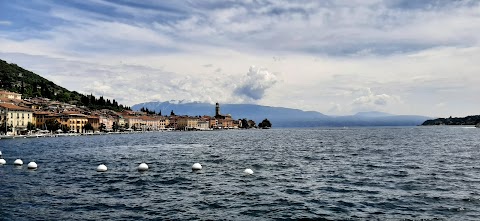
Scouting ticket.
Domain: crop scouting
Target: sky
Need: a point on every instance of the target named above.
(336, 57)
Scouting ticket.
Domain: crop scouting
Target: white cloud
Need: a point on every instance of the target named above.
(441, 104)
(372, 101)
(256, 83)
(319, 55)
(5, 23)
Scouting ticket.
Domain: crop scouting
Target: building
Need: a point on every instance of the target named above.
(10, 95)
(222, 121)
(40, 118)
(94, 121)
(186, 123)
(149, 123)
(133, 122)
(203, 124)
(16, 118)
(75, 122)
(164, 122)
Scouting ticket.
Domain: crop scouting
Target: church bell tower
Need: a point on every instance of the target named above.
(217, 109)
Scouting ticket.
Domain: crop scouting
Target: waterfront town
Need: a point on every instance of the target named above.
(42, 115)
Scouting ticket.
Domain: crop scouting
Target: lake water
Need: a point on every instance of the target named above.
(410, 173)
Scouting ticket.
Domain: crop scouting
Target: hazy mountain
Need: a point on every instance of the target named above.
(373, 114)
(283, 117)
(237, 111)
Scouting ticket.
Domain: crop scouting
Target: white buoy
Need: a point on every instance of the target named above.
(248, 171)
(32, 165)
(101, 168)
(2, 161)
(196, 166)
(143, 167)
(18, 162)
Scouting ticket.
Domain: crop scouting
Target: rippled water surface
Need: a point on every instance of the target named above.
(327, 173)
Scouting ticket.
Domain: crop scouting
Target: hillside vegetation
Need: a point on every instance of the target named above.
(469, 120)
(16, 79)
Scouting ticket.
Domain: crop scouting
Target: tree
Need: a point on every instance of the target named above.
(30, 126)
(5, 128)
(251, 124)
(265, 124)
(64, 128)
(88, 127)
(245, 123)
(115, 126)
(52, 124)
(126, 126)
(101, 101)
(84, 100)
(102, 127)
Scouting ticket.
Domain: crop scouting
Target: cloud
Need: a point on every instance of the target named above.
(336, 28)
(5, 23)
(335, 108)
(371, 101)
(256, 83)
(441, 104)
(325, 52)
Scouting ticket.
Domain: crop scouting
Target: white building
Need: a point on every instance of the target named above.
(15, 117)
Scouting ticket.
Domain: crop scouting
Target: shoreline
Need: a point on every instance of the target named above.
(8, 137)
(5, 137)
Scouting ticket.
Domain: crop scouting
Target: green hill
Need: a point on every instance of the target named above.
(469, 120)
(16, 79)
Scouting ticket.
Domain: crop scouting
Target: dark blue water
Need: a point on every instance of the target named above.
(333, 174)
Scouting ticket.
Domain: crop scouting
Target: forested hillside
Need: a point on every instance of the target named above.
(469, 120)
(16, 79)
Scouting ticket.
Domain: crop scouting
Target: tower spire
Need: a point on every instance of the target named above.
(217, 109)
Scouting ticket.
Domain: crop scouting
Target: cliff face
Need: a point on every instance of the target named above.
(469, 120)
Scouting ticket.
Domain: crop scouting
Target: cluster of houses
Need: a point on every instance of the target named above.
(18, 116)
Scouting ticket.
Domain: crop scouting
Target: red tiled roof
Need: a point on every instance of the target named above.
(14, 107)
(42, 112)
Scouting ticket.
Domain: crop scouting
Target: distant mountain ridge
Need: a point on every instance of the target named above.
(283, 117)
